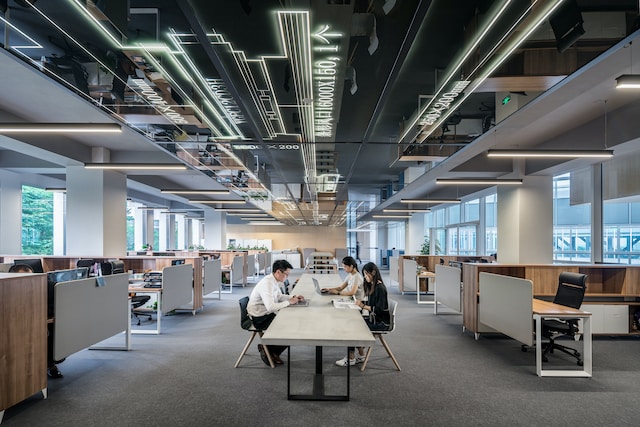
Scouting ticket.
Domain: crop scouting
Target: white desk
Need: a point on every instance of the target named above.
(545, 309)
(320, 325)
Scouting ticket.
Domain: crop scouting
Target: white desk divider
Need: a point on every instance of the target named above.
(212, 277)
(237, 271)
(177, 287)
(506, 305)
(410, 268)
(448, 289)
(87, 314)
(393, 271)
(251, 265)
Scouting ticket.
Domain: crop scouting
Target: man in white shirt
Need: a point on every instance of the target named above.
(266, 300)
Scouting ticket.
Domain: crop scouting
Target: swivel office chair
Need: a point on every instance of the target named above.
(570, 293)
(138, 301)
(393, 305)
(247, 325)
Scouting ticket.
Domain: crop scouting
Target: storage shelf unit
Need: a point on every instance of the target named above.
(322, 263)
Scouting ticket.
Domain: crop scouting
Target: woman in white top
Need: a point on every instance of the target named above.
(353, 284)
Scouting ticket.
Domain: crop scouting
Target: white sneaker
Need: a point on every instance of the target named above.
(360, 359)
(345, 360)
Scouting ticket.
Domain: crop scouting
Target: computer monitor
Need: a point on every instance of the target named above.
(177, 261)
(34, 263)
(67, 275)
(112, 267)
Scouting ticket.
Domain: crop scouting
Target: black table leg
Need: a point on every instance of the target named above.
(318, 381)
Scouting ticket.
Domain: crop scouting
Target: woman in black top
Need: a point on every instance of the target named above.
(377, 303)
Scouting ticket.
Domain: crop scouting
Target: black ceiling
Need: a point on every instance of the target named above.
(417, 41)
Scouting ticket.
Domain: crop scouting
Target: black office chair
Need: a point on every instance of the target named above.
(138, 301)
(247, 325)
(570, 293)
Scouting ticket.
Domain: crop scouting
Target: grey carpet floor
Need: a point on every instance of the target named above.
(185, 376)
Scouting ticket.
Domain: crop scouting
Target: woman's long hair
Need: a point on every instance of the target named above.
(351, 262)
(376, 277)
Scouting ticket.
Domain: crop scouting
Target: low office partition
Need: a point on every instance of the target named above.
(448, 289)
(177, 288)
(212, 277)
(88, 311)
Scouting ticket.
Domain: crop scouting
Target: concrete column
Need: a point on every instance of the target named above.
(10, 213)
(525, 221)
(215, 229)
(96, 212)
(415, 232)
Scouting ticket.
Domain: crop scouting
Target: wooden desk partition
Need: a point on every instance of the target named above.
(613, 291)
(23, 337)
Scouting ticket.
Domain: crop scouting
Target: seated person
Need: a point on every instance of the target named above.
(266, 300)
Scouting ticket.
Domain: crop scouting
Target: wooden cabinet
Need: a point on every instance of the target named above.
(23, 337)
(613, 291)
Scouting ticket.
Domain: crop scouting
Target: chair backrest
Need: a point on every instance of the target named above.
(245, 320)
(571, 289)
(393, 306)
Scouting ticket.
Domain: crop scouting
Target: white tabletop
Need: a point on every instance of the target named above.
(319, 324)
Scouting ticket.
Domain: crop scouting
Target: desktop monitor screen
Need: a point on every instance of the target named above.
(177, 262)
(34, 263)
(67, 275)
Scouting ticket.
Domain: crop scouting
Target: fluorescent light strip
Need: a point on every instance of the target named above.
(237, 211)
(478, 181)
(152, 208)
(257, 214)
(265, 223)
(551, 153)
(392, 216)
(257, 219)
(434, 201)
(221, 202)
(406, 210)
(60, 127)
(176, 191)
(135, 166)
(628, 81)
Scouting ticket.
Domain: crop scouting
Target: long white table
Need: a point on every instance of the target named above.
(320, 325)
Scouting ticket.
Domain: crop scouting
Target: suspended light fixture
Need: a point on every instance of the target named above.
(478, 181)
(551, 153)
(629, 81)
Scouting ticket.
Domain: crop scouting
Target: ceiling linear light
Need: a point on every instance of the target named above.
(186, 191)
(152, 208)
(478, 181)
(265, 223)
(228, 202)
(406, 210)
(60, 128)
(236, 211)
(392, 216)
(136, 166)
(432, 201)
(253, 214)
(551, 153)
(629, 81)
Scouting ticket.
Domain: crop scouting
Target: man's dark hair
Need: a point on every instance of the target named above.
(281, 264)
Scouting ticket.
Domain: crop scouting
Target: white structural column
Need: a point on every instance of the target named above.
(525, 221)
(215, 229)
(415, 233)
(10, 213)
(96, 212)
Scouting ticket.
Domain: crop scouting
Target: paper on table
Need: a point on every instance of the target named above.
(345, 303)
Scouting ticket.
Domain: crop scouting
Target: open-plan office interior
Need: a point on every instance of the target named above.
(379, 129)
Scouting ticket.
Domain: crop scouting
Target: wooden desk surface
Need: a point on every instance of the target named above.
(547, 308)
